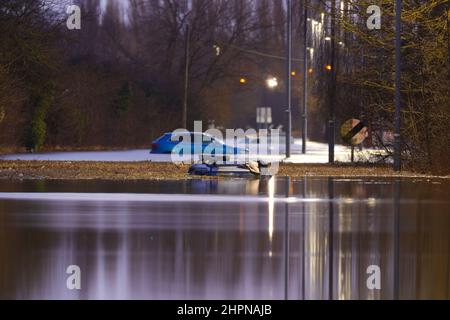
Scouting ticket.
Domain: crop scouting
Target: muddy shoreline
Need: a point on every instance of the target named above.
(87, 170)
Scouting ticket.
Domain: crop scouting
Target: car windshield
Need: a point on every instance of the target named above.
(178, 136)
(195, 137)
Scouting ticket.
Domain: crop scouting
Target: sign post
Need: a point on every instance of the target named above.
(264, 116)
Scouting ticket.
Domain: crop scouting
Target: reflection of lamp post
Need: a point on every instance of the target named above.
(286, 241)
(396, 239)
(330, 238)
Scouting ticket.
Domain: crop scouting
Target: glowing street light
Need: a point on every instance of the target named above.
(272, 83)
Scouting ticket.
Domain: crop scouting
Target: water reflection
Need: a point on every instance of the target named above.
(312, 249)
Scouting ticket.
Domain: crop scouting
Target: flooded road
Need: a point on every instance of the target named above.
(311, 238)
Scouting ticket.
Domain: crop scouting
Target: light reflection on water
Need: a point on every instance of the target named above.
(234, 250)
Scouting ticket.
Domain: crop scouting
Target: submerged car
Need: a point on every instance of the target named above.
(196, 143)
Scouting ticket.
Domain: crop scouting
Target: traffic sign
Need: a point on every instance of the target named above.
(264, 115)
(353, 131)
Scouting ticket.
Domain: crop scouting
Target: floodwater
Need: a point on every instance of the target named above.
(312, 238)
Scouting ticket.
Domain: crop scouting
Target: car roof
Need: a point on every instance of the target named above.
(189, 132)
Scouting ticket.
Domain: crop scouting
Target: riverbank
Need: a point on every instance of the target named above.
(87, 170)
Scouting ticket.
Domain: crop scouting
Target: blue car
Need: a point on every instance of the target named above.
(199, 143)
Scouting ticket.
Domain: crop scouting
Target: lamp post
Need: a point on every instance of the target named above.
(305, 78)
(331, 69)
(397, 147)
(265, 112)
(288, 78)
(186, 77)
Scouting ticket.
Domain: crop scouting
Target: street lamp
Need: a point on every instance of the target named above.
(272, 83)
(186, 77)
(305, 76)
(264, 112)
(288, 79)
(397, 116)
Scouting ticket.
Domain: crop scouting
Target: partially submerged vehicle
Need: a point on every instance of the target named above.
(248, 169)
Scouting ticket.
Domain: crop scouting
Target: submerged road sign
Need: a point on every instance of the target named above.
(353, 131)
